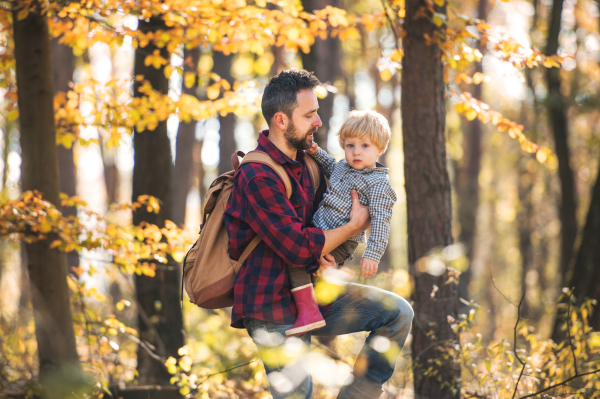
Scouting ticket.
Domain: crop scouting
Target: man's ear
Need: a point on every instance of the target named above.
(281, 121)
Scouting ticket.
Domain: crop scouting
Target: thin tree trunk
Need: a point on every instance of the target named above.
(159, 320)
(227, 144)
(47, 267)
(63, 67)
(279, 63)
(390, 112)
(585, 278)
(324, 60)
(183, 171)
(429, 211)
(467, 179)
(557, 112)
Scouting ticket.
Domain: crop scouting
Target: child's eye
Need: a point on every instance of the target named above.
(350, 145)
(365, 145)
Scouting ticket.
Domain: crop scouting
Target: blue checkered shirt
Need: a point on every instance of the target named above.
(374, 190)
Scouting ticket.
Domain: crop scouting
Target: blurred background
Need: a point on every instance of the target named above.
(517, 220)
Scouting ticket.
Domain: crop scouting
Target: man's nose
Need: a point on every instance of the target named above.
(317, 121)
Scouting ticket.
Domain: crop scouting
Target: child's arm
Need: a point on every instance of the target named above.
(326, 161)
(382, 198)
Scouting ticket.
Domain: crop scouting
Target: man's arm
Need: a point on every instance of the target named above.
(359, 222)
(273, 218)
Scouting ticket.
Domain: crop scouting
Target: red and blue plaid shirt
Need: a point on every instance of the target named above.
(258, 205)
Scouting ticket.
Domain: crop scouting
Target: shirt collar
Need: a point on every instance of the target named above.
(266, 145)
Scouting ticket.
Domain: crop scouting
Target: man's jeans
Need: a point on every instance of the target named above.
(385, 315)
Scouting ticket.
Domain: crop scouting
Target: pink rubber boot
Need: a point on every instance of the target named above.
(309, 318)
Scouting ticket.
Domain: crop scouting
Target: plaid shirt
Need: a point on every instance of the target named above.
(258, 205)
(374, 190)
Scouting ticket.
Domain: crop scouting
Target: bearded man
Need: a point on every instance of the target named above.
(263, 302)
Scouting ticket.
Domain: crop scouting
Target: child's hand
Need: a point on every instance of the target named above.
(368, 267)
(313, 149)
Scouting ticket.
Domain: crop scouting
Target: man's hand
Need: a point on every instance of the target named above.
(368, 267)
(325, 262)
(359, 215)
(313, 149)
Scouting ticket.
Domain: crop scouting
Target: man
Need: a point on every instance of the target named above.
(262, 299)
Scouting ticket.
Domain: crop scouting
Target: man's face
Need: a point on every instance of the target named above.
(304, 122)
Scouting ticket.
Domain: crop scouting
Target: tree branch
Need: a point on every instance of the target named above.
(515, 344)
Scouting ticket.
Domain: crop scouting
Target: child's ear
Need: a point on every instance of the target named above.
(380, 153)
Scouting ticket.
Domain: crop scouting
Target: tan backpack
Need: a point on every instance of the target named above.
(208, 271)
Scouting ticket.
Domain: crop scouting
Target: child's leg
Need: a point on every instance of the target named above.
(309, 316)
(344, 252)
(298, 276)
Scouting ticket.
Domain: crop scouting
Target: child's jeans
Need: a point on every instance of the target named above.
(385, 315)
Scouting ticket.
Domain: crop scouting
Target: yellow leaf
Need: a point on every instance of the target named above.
(189, 79)
(541, 156)
(478, 78)
(23, 14)
(396, 56)
(225, 84)
(440, 3)
(471, 114)
(439, 19)
(55, 243)
(321, 91)
(178, 256)
(385, 74)
(261, 3)
(212, 92)
(168, 71)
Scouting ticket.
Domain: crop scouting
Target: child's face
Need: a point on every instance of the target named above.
(361, 153)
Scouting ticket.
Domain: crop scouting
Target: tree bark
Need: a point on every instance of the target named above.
(428, 196)
(63, 67)
(183, 171)
(47, 267)
(159, 320)
(324, 60)
(557, 113)
(227, 144)
(585, 277)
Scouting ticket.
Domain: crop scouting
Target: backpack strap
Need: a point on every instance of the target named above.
(265, 159)
(313, 171)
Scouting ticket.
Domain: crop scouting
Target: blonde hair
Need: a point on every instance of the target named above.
(366, 124)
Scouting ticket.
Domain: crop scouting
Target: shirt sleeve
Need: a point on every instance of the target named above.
(382, 198)
(326, 161)
(274, 219)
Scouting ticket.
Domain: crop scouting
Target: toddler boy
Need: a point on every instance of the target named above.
(364, 136)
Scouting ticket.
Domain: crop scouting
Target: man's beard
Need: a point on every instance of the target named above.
(297, 141)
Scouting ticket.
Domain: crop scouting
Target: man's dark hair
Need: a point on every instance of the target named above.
(280, 93)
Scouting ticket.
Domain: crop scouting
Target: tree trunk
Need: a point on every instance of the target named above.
(324, 60)
(159, 320)
(557, 113)
(47, 267)
(63, 67)
(183, 171)
(428, 195)
(467, 179)
(585, 277)
(227, 144)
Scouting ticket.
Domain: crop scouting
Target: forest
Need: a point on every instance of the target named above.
(116, 116)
